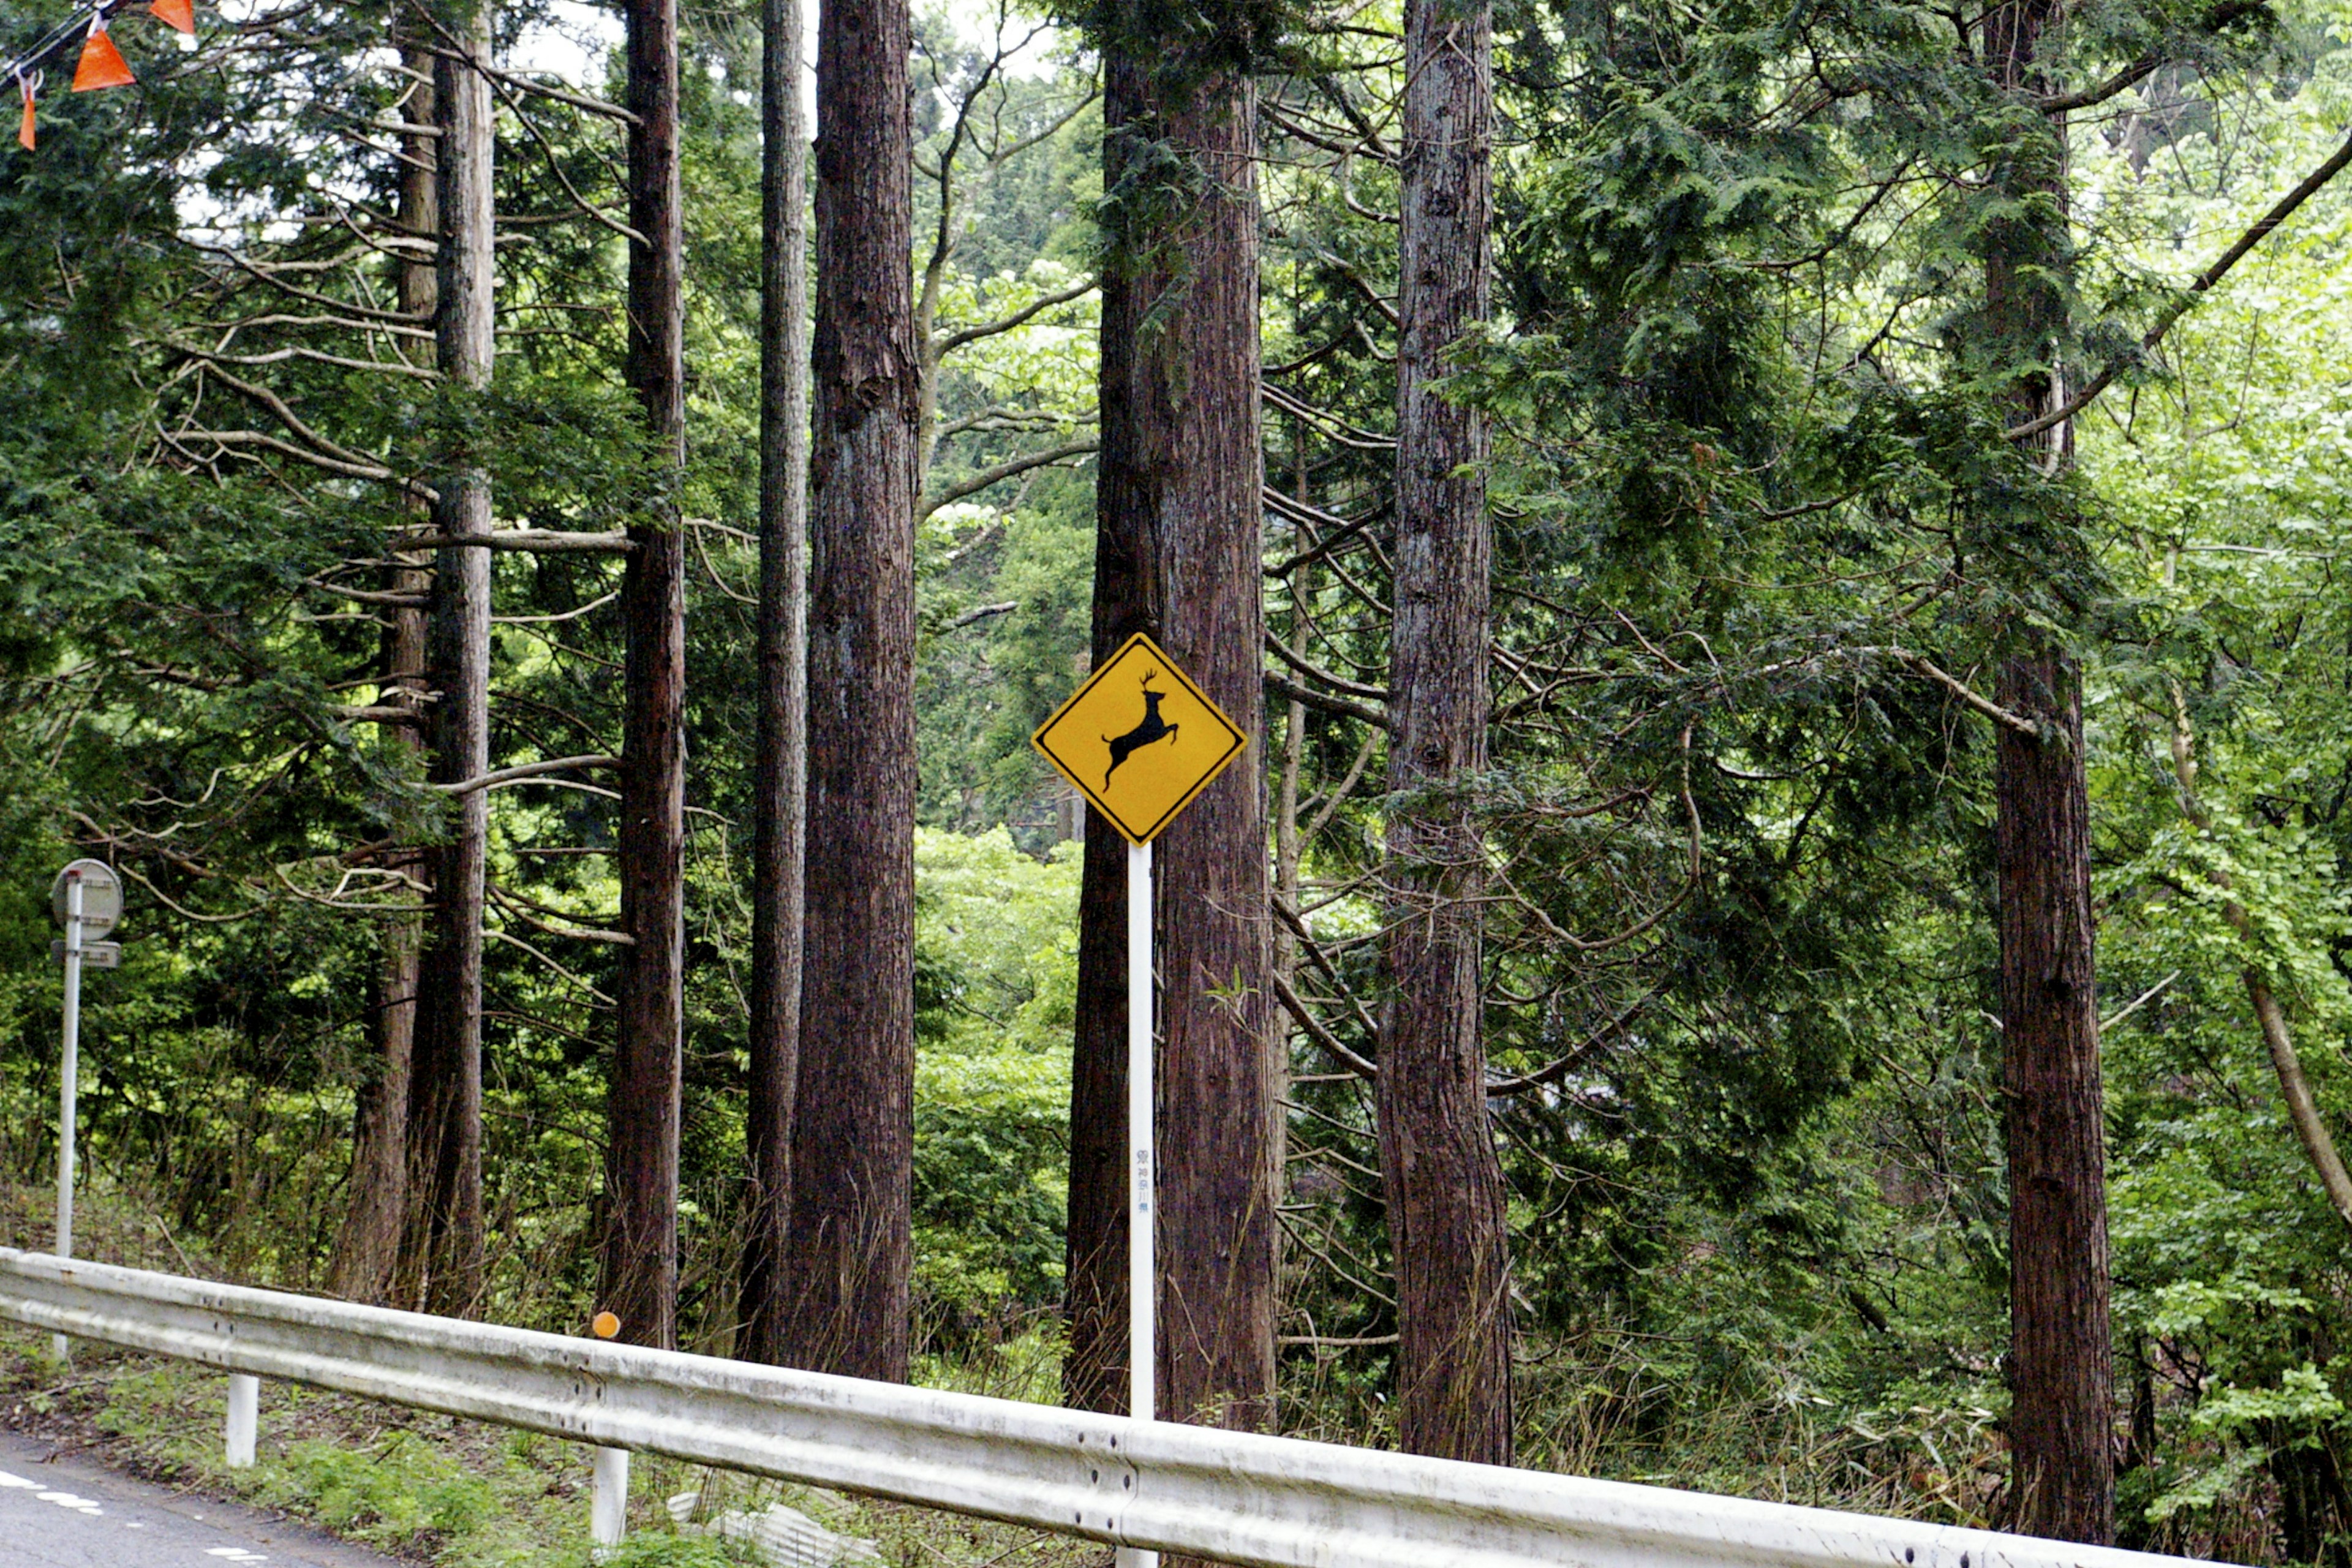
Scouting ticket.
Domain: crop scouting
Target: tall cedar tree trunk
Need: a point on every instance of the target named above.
(444, 1270)
(2061, 1366)
(367, 1250)
(1178, 554)
(848, 1250)
(781, 786)
(1439, 1172)
(641, 1169)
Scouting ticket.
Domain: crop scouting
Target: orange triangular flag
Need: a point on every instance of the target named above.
(25, 129)
(180, 13)
(102, 64)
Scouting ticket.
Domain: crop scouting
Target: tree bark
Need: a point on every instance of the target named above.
(367, 1249)
(2060, 1363)
(1095, 1291)
(444, 1267)
(1439, 1172)
(2061, 1366)
(640, 1283)
(849, 1248)
(777, 843)
(1178, 554)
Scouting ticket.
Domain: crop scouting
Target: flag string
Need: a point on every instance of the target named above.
(100, 65)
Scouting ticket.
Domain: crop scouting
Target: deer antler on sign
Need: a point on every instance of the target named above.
(1153, 728)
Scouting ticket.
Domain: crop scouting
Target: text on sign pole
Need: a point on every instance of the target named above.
(1139, 740)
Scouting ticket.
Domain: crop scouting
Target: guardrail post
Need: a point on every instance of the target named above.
(244, 1418)
(608, 1506)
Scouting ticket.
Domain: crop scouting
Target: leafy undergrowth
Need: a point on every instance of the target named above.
(456, 1494)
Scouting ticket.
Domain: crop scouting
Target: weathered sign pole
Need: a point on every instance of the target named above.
(87, 900)
(1142, 1266)
(1140, 771)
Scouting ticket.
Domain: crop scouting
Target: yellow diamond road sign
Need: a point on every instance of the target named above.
(1139, 740)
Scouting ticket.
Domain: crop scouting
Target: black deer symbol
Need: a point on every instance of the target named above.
(1153, 728)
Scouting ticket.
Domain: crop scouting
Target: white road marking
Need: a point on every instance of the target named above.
(8, 1480)
(234, 1554)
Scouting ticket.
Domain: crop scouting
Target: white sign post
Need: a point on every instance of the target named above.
(1139, 740)
(1142, 1270)
(88, 899)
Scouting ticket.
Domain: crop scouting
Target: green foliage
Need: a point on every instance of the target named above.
(1748, 393)
(997, 940)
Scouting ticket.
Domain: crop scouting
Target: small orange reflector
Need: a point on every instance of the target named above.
(25, 129)
(101, 65)
(606, 1325)
(180, 13)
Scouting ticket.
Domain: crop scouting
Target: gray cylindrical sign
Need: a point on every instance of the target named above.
(101, 897)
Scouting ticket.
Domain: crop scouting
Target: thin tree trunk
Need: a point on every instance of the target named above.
(367, 1250)
(849, 1252)
(2061, 1365)
(640, 1171)
(1178, 554)
(1439, 1173)
(2301, 1105)
(777, 824)
(445, 1096)
(1288, 849)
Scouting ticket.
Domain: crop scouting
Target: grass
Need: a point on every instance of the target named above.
(433, 1489)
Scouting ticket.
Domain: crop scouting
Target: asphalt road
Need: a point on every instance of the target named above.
(70, 1513)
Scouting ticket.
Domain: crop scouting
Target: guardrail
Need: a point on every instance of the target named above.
(1238, 1496)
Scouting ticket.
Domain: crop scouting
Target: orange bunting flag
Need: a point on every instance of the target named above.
(102, 64)
(25, 129)
(180, 13)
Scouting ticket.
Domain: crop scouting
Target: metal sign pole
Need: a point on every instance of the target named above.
(1141, 741)
(1143, 1273)
(69, 1076)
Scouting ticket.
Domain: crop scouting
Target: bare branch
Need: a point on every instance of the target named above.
(537, 540)
(369, 595)
(982, 612)
(1322, 1037)
(525, 771)
(2213, 21)
(948, 345)
(1325, 702)
(1967, 694)
(1276, 647)
(2198, 287)
(972, 484)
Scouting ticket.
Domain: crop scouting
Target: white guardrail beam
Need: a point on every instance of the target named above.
(1238, 1496)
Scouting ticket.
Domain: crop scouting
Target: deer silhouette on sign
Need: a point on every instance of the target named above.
(1153, 728)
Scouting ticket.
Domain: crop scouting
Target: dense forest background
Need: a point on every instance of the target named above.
(1756, 526)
